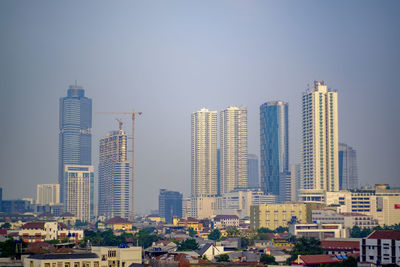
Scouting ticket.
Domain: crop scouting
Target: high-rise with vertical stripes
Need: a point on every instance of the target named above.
(75, 132)
(204, 153)
(319, 155)
(274, 148)
(233, 150)
(114, 175)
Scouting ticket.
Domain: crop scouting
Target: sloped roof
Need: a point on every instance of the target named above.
(33, 225)
(318, 259)
(204, 248)
(117, 220)
(385, 234)
(328, 244)
(222, 217)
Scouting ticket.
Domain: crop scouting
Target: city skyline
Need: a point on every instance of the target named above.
(146, 58)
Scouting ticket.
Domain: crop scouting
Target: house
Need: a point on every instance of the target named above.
(342, 247)
(124, 256)
(210, 251)
(315, 260)
(118, 224)
(224, 221)
(381, 247)
(188, 223)
(175, 259)
(41, 231)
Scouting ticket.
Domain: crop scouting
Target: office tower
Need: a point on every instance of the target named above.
(252, 167)
(114, 174)
(274, 147)
(219, 171)
(320, 165)
(294, 181)
(169, 205)
(48, 194)
(348, 178)
(233, 148)
(204, 153)
(75, 136)
(79, 191)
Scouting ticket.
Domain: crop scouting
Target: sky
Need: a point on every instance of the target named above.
(168, 59)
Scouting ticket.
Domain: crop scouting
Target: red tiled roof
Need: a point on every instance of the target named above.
(318, 259)
(33, 225)
(61, 226)
(385, 234)
(117, 220)
(348, 245)
(40, 244)
(3, 231)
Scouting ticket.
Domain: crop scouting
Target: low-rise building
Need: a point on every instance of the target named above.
(59, 259)
(319, 231)
(118, 224)
(118, 257)
(347, 219)
(41, 231)
(381, 247)
(224, 221)
(188, 223)
(341, 246)
(210, 251)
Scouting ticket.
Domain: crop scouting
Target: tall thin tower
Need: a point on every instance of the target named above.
(114, 175)
(204, 153)
(348, 178)
(75, 132)
(320, 165)
(233, 151)
(274, 147)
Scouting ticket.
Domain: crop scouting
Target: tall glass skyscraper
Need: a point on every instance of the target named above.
(169, 205)
(114, 175)
(253, 180)
(274, 147)
(75, 132)
(348, 178)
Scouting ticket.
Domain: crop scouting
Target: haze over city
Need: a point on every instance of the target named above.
(168, 59)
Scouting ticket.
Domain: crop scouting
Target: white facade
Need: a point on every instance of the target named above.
(238, 202)
(348, 220)
(204, 153)
(319, 231)
(124, 256)
(320, 165)
(233, 148)
(78, 199)
(381, 248)
(48, 194)
(203, 207)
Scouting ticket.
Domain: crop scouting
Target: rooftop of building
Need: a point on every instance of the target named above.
(336, 244)
(222, 217)
(117, 220)
(385, 234)
(60, 256)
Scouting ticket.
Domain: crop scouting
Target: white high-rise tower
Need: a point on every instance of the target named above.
(204, 153)
(233, 148)
(320, 165)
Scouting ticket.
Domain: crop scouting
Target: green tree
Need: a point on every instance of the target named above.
(244, 242)
(305, 246)
(192, 232)
(6, 225)
(281, 229)
(233, 232)
(8, 248)
(188, 244)
(268, 259)
(264, 230)
(357, 232)
(222, 258)
(79, 223)
(214, 235)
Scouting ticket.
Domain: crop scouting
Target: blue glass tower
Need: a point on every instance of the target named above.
(75, 132)
(274, 147)
(169, 205)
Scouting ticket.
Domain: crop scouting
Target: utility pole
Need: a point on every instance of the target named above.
(133, 114)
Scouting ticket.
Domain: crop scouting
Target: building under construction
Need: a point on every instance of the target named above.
(114, 175)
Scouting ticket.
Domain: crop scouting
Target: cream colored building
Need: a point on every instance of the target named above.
(203, 207)
(204, 153)
(233, 153)
(118, 257)
(79, 191)
(48, 194)
(381, 202)
(320, 164)
(274, 215)
(64, 260)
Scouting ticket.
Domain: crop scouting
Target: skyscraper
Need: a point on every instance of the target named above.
(253, 174)
(320, 165)
(348, 178)
(114, 175)
(75, 132)
(274, 147)
(79, 191)
(233, 148)
(48, 194)
(169, 205)
(204, 153)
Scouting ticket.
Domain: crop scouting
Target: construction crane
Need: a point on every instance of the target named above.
(133, 114)
(120, 124)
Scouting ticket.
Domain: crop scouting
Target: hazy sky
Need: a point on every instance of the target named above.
(170, 58)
